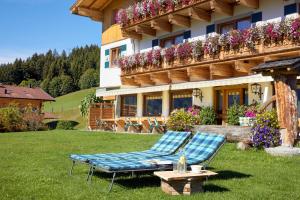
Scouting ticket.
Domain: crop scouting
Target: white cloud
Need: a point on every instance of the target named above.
(7, 56)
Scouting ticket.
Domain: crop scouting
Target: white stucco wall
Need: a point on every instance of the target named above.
(267, 90)
(110, 77)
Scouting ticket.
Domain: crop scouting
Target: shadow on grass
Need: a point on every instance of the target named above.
(214, 188)
(228, 174)
(128, 181)
(148, 180)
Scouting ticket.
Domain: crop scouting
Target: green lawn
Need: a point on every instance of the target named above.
(67, 106)
(35, 166)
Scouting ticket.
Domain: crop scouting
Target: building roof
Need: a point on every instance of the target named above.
(291, 63)
(90, 8)
(15, 92)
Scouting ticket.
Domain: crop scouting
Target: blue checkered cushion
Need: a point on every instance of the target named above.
(122, 165)
(202, 147)
(166, 145)
(199, 149)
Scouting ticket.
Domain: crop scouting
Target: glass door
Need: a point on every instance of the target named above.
(227, 97)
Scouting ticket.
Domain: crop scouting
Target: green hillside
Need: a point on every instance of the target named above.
(67, 107)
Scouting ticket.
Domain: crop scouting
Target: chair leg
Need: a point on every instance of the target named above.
(90, 174)
(112, 182)
(72, 167)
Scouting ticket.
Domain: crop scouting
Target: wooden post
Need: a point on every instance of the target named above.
(286, 100)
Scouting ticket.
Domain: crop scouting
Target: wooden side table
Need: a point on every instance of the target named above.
(175, 183)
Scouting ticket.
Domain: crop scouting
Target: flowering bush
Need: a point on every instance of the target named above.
(265, 132)
(184, 51)
(252, 110)
(194, 110)
(180, 120)
(13, 118)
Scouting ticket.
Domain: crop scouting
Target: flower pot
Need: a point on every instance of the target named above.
(246, 121)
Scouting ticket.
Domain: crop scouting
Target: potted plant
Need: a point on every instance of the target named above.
(249, 118)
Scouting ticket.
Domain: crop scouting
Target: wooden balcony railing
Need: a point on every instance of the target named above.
(137, 20)
(217, 57)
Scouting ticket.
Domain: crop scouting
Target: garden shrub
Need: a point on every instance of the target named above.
(265, 132)
(33, 119)
(66, 125)
(180, 120)
(87, 101)
(14, 119)
(11, 119)
(207, 116)
(234, 113)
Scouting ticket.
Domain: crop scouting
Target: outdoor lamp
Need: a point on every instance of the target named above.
(256, 89)
(198, 93)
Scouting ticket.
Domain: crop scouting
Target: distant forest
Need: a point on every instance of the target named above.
(58, 74)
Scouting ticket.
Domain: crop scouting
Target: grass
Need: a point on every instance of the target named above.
(67, 106)
(35, 166)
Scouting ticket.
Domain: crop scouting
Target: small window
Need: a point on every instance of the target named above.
(115, 54)
(153, 105)
(290, 9)
(182, 100)
(128, 106)
(240, 24)
(170, 41)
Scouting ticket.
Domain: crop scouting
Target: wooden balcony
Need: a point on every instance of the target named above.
(181, 16)
(225, 64)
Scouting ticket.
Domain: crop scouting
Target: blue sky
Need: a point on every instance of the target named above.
(29, 26)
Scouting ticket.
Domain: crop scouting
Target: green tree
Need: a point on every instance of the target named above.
(45, 85)
(30, 83)
(89, 79)
(66, 85)
(55, 87)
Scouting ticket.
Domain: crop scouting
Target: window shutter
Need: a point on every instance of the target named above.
(123, 50)
(155, 43)
(187, 35)
(290, 9)
(106, 63)
(210, 29)
(256, 17)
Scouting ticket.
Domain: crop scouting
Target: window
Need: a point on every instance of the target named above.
(240, 24)
(182, 100)
(128, 105)
(153, 105)
(170, 41)
(115, 54)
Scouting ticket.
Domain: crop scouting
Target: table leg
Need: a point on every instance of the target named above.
(185, 187)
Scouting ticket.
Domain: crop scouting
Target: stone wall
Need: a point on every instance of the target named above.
(233, 133)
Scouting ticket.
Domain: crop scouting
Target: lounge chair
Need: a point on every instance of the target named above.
(168, 144)
(200, 150)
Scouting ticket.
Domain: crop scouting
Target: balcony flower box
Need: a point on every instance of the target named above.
(257, 40)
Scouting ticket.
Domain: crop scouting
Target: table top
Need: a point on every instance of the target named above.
(171, 175)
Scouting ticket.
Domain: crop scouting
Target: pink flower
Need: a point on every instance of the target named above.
(169, 54)
(184, 51)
